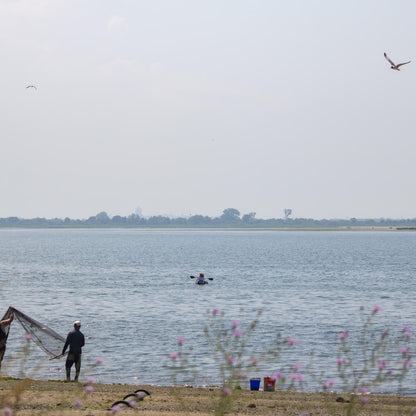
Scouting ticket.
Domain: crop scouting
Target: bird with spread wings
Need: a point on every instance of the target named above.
(393, 65)
(31, 86)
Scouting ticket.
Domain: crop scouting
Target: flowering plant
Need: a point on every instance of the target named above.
(373, 357)
(367, 359)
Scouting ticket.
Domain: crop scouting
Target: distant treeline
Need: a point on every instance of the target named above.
(230, 218)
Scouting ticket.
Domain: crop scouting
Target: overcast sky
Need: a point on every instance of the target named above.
(186, 107)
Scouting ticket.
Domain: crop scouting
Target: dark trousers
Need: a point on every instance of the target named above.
(2, 352)
(70, 360)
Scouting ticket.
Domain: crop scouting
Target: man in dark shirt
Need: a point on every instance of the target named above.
(75, 340)
(4, 332)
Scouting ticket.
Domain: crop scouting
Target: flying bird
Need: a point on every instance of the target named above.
(393, 65)
(31, 86)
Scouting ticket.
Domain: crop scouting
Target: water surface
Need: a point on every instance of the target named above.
(131, 290)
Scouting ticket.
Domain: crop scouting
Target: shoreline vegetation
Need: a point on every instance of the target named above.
(33, 397)
(231, 218)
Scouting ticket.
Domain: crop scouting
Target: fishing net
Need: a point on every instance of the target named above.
(43, 336)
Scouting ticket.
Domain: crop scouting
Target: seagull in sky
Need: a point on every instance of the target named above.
(31, 86)
(393, 65)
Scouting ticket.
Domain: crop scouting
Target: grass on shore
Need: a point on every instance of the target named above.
(31, 397)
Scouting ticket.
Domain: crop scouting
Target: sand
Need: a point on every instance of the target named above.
(31, 397)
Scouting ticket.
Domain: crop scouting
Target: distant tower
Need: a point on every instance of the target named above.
(288, 212)
(138, 212)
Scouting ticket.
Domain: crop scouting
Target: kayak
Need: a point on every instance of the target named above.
(201, 282)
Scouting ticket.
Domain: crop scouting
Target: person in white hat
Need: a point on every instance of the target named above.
(75, 340)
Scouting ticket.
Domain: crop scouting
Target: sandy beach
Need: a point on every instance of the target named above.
(30, 397)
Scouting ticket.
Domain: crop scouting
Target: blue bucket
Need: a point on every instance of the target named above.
(255, 383)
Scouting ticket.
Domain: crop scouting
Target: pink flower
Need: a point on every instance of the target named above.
(404, 351)
(78, 403)
(181, 340)
(252, 361)
(406, 329)
(226, 391)
(89, 389)
(90, 380)
(363, 390)
(7, 411)
(376, 309)
(274, 377)
(297, 366)
(364, 400)
(297, 377)
(115, 409)
(290, 341)
(382, 364)
(215, 311)
(174, 355)
(329, 383)
(238, 333)
(344, 335)
(235, 324)
(231, 359)
(340, 361)
(28, 336)
(384, 334)
(406, 364)
(98, 360)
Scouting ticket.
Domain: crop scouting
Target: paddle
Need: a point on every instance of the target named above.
(209, 278)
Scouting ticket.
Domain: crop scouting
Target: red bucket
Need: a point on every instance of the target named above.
(269, 383)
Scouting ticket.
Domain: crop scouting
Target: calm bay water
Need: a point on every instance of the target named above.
(132, 291)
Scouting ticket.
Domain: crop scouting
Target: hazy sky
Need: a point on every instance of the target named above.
(190, 106)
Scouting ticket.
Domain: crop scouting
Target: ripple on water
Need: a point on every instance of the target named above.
(133, 293)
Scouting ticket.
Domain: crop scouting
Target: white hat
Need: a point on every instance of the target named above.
(77, 323)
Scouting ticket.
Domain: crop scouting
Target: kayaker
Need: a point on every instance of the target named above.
(201, 279)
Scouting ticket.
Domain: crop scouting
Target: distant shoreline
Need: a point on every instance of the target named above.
(230, 219)
(174, 228)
